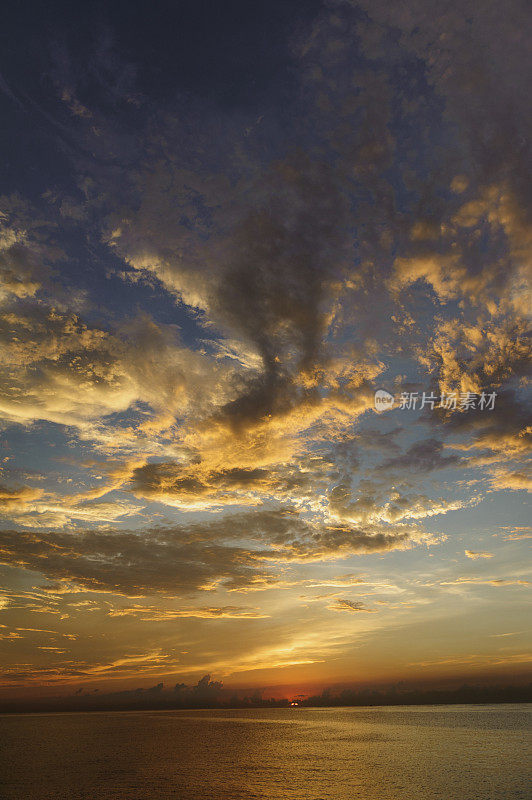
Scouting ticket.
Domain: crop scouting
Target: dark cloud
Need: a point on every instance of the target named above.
(184, 559)
(350, 606)
(506, 428)
(424, 456)
(170, 480)
(276, 285)
(129, 563)
(477, 57)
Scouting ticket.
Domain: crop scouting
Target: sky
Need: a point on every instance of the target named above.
(224, 226)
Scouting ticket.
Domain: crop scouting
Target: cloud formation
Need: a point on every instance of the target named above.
(237, 550)
(200, 291)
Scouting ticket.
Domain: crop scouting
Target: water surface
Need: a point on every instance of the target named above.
(399, 753)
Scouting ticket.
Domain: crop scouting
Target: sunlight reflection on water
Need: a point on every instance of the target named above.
(415, 753)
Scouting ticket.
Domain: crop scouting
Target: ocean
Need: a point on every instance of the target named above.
(394, 753)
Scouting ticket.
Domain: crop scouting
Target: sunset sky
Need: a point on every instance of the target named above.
(223, 227)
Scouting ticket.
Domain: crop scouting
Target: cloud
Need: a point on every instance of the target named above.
(514, 479)
(17, 498)
(349, 606)
(191, 483)
(423, 456)
(474, 57)
(471, 554)
(133, 564)
(187, 558)
(156, 614)
(25, 254)
(197, 485)
(505, 430)
(486, 582)
(65, 371)
(477, 659)
(515, 533)
(372, 503)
